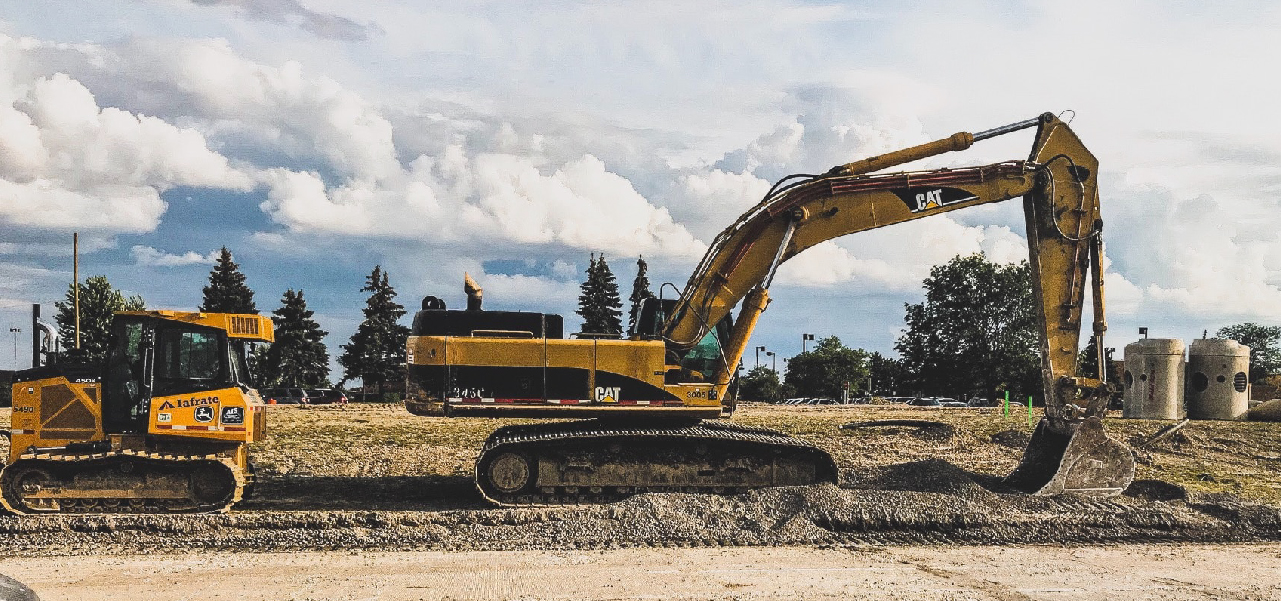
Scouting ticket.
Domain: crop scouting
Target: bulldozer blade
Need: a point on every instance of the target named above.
(1083, 462)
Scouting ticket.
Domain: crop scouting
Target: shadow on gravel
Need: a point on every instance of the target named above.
(387, 493)
(919, 503)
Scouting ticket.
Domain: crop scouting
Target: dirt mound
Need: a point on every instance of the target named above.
(1155, 490)
(1014, 439)
(923, 429)
(1269, 411)
(932, 476)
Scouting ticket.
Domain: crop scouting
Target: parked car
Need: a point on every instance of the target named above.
(285, 396)
(325, 396)
(953, 403)
(925, 401)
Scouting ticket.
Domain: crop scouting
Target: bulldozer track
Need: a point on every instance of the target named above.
(586, 445)
(213, 483)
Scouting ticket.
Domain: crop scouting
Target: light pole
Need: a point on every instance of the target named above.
(15, 331)
(771, 354)
(804, 339)
(758, 355)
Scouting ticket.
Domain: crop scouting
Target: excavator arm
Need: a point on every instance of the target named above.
(1058, 184)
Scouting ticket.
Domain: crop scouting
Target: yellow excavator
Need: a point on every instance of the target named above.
(652, 398)
(162, 426)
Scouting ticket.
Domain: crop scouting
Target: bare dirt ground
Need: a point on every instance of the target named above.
(374, 477)
(1133, 573)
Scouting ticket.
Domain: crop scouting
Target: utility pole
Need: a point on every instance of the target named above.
(15, 331)
(75, 271)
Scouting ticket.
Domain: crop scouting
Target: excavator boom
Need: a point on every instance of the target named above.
(1059, 186)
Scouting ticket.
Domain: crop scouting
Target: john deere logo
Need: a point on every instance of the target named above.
(204, 414)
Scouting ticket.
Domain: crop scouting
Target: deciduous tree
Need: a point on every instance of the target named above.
(760, 384)
(887, 374)
(975, 331)
(98, 302)
(1265, 346)
(827, 369)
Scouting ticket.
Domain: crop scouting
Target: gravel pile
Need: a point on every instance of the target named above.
(924, 502)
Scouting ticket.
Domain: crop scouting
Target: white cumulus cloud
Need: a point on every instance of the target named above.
(68, 163)
(151, 257)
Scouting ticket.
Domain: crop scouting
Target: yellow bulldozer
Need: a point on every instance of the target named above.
(160, 426)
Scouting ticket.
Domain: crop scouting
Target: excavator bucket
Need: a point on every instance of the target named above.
(1084, 462)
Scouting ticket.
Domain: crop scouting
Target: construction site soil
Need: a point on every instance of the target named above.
(376, 477)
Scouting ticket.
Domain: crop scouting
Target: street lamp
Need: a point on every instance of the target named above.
(771, 354)
(804, 339)
(758, 355)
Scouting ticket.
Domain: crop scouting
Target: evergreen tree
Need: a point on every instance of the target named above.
(98, 302)
(1087, 361)
(297, 357)
(376, 353)
(598, 303)
(640, 292)
(227, 292)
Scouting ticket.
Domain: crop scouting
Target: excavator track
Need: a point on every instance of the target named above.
(127, 481)
(594, 461)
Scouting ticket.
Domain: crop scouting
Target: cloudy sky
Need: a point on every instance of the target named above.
(318, 138)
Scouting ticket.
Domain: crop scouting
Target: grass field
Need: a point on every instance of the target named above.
(375, 448)
(373, 476)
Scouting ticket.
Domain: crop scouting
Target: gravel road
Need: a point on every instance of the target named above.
(1108, 573)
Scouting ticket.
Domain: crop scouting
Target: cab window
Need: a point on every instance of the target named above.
(706, 357)
(189, 360)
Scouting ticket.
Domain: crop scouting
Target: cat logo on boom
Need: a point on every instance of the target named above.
(920, 199)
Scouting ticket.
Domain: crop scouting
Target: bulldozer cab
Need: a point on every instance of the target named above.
(157, 357)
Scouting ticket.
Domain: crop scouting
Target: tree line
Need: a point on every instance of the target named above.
(974, 334)
(375, 354)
